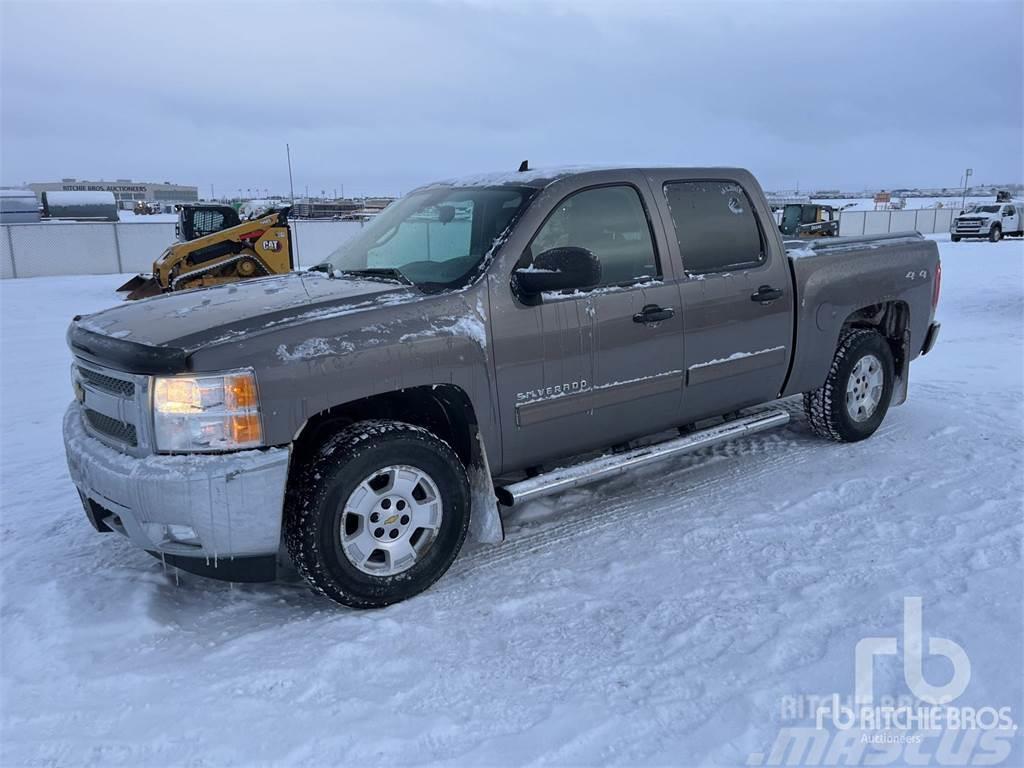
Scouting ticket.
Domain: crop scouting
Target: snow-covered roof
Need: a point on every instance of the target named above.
(535, 177)
(80, 198)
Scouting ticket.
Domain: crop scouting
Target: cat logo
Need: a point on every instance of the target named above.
(271, 245)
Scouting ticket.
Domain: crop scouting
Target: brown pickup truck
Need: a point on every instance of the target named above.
(358, 419)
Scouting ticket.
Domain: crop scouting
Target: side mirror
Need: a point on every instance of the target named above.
(560, 269)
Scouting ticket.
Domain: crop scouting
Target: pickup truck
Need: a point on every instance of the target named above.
(483, 341)
(988, 220)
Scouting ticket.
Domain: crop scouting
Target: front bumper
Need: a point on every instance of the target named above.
(231, 502)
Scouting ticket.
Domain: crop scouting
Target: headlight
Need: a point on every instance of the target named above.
(206, 413)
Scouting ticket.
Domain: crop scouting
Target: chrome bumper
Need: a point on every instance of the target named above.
(232, 502)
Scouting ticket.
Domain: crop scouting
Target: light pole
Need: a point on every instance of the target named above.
(967, 179)
(291, 185)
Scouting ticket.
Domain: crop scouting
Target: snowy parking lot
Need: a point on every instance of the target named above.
(656, 619)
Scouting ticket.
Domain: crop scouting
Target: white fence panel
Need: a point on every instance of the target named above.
(6, 257)
(902, 221)
(876, 222)
(140, 244)
(943, 220)
(315, 240)
(924, 220)
(851, 223)
(63, 249)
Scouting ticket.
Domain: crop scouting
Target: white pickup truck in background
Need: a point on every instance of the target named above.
(991, 220)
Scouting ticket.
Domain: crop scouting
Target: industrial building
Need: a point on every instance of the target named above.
(125, 190)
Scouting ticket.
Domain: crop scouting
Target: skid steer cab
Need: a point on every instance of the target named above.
(810, 220)
(214, 246)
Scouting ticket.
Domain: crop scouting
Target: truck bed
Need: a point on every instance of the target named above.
(835, 277)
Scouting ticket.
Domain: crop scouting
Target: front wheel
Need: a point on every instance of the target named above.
(996, 234)
(378, 515)
(853, 401)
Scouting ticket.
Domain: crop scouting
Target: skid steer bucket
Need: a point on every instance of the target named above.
(134, 283)
(141, 287)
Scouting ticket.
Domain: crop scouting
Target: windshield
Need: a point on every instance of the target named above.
(434, 237)
(983, 209)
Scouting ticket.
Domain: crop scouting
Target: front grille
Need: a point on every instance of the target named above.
(108, 383)
(112, 428)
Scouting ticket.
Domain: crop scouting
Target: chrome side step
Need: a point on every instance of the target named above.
(564, 478)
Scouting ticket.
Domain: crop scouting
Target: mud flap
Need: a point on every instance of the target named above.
(485, 524)
(902, 361)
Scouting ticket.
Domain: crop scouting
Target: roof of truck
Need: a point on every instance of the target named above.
(539, 178)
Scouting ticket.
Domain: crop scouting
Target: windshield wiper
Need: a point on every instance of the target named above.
(322, 267)
(388, 273)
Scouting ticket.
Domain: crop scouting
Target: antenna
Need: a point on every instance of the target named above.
(524, 166)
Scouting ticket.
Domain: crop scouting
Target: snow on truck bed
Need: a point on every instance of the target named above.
(658, 618)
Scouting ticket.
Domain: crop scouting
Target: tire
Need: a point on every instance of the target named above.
(350, 498)
(995, 234)
(955, 238)
(842, 409)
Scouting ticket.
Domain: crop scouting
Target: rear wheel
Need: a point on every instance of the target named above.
(995, 234)
(378, 515)
(852, 403)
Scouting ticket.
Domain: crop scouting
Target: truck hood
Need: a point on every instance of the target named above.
(189, 320)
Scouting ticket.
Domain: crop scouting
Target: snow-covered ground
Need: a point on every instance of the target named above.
(657, 619)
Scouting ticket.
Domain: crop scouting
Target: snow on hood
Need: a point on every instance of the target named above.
(193, 319)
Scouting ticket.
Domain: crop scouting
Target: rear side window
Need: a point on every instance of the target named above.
(611, 223)
(715, 226)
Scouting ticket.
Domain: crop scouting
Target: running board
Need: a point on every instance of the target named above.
(601, 468)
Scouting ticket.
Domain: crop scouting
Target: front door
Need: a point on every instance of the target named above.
(593, 367)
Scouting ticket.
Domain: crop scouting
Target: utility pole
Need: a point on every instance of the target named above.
(212, 196)
(291, 186)
(967, 179)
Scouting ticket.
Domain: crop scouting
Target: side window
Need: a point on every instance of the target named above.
(1010, 210)
(715, 226)
(611, 223)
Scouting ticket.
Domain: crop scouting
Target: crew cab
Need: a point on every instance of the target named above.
(989, 220)
(483, 341)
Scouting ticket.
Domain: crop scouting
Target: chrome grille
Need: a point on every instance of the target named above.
(113, 405)
(108, 383)
(112, 428)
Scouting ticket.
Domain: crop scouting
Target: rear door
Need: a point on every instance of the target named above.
(736, 296)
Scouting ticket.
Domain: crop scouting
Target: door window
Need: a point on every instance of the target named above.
(715, 226)
(611, 223)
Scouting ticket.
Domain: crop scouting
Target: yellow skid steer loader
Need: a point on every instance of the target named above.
(215, 247)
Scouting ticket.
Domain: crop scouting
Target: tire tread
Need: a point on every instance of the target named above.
(301, 534)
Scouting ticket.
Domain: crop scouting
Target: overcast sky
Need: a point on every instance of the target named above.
(382, 97)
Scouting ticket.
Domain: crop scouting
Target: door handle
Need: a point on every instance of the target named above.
(652, 313)
(766, 294)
